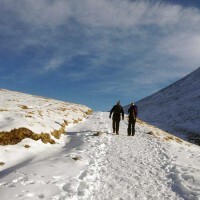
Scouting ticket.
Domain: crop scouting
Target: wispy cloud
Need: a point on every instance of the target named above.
(183, 46)
(138, 40)
(53, 64)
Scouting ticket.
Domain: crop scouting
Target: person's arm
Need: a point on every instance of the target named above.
(111, 111)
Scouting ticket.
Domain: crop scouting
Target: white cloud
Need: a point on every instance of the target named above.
(161, 35)
(53, 64)
(110, 13)
(185, 47)
(39, 12)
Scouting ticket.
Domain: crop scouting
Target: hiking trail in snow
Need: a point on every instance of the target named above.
(107, 167)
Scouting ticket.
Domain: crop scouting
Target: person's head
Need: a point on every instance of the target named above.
(131, 104)
(118, 103)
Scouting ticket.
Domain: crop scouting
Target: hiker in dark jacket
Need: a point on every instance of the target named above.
(132, 119)
(117, 110)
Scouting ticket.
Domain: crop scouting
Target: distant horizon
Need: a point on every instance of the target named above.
(114, 102)
(97, 52)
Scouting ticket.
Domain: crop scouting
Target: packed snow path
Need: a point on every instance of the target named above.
(108, 167)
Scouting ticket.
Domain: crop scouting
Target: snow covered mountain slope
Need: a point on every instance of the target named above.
(109, 166)
(27, 116)
(175, 108)
(31, 124)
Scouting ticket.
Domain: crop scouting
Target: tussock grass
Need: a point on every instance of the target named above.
(17, 135)
(23, 107)
(29, 116)
(2, 110)
(30, 113)
(151, 133)
(2, 163)
(27, 146)
(89, 112)
(63, 109)
(168, 138)
(57, 133)
(178, 140)
(76, 121)
(76, 157)
(98, 133)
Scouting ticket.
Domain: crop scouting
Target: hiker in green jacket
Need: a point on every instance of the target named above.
(117, 110)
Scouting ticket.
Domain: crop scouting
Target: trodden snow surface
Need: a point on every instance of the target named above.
(106, 167)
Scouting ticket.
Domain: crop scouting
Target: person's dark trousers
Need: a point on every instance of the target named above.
(131, 127)
(116, 126)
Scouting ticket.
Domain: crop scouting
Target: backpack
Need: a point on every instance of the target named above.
(117, 109)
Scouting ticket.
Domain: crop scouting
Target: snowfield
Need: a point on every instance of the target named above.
(36, 116)
(27, 116)
(104, 167)
(175, 108)
(39, 114)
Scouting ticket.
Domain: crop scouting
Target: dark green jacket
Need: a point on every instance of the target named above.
(117, 110)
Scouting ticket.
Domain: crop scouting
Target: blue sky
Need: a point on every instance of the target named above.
(96, 52)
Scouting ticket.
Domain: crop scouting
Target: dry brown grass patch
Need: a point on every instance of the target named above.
(97, 133)
(151, 133)
(89, 112)
(2, 163)
(178, 140)
(29, 116)
(168, 138)
(66, 122)
(76, 157)
(76, 121)
(63, 109)
(23, 107)
(57, 133)
(17, 135)
(2, 110)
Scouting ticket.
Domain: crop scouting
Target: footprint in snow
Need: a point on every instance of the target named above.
(82, 189)
(83, 175)
(18, 179)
